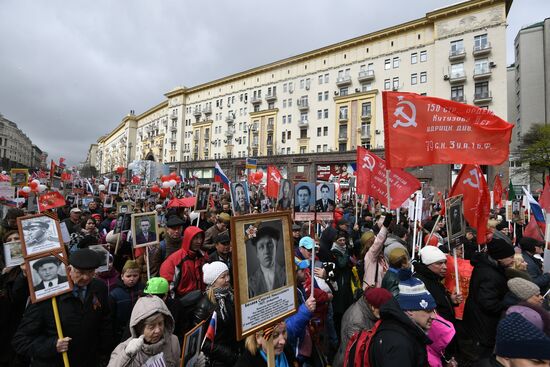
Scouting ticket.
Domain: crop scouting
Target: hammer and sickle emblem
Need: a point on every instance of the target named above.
(469, 180)
(275, 178)
(368, 162)
(409, 120)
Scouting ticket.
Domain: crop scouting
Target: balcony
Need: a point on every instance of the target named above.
(197, 113)
(196, 137)
(269, 142)
(343, 117)
(460, 99)
(457, 77)
(229, 147)
(230, 119)
(366, 76)
(174, 116)
(207, 110)
(173, 128)
(303, 124)
(365, 133)
(342, 81)
(254, 144)
(270, 126)
(256, 100)
(482, 73)
(483, 97)
(480, 50)
(366, 115)
(303, 105)
(271, 97)
(171, 140)
(229, 132)
(457, 54)
(342, 137)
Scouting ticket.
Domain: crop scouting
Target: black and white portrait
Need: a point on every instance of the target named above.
(108, 201)
(201, 203)
(454, 217)
(240, 200)
(49, 277)
(113, 188)
(284, 197)
(304, 197)
(13, 254)
(125, 207)
(325, 198)
(144, 229)
(39, 234)
(265, 258)
(123, 222)
(192, 345)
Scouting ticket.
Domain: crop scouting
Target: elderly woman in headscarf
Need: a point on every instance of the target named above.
(152, 341)
(219, 298)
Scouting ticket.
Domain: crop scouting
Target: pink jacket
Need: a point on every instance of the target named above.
(375, 255)
(441, 333)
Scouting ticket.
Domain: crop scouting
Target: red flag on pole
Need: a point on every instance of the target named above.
(371, 179)
(472, 185)
(273, 180)
(51, 200)
(497, 191)
(421, 130)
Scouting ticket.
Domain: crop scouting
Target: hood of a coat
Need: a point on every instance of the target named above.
(148, 306)
(189, 233)
(441, 333)
(392, 312)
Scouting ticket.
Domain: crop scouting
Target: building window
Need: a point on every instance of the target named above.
(365, 109)
(482, 90)
(326, 78)
(395, 84)
(284, 120)
(387, 84)
(288, 135)
(325, 131)
(423, 56)
(302, 84)
(290, 102)
(326, 95)
(481, 66)
(325, 113)
(342, 147)
(319, 114)
(423, 77)
(343, 131)
(320, 79)
(480, 42)
(318, 148)
(457, 47)
(343, 114)
(457, 70)
(365, 87)
(289, 119)
(284, 104)
(344, 91)
(319, 131)
(395, 62)
(303, 133)
(302, 150)
(457, 93)
(414, 78)
(320, 96)
(303, 117)
(387, 64)
(414, 58)
(325, 148)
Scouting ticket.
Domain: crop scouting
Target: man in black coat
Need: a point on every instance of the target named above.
(84, 314)
(485, 305)
(402, 338)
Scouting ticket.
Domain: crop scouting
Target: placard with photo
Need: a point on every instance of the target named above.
(326, 201)
(454, 216)
(114, 187)
(47, 276)
(191, 348)
(144, 229)
(240, 201)
(39, 233)
(19, 176)
(108, 201)
(203, 195)
(284, 197)
(125, 207)
(13, 254)
(304, 201)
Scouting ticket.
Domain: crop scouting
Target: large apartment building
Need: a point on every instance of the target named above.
(314, 109)
(17, 149)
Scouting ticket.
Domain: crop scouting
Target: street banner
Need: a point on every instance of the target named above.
(251, 163)
(471, 183)
(273, 181)
(51, 200)
(371, 180)
(497, 192)
(421, 130)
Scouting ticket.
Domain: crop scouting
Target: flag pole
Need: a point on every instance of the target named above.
(388, 187)
(147, 262)
(59, 330)
(312, 269)
(457, 288)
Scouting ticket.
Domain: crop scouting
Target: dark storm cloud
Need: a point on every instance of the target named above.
(70, 70)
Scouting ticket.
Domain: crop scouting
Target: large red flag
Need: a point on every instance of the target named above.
(371, 180)
(421, 130)
(273, 180)
(51, 200)
(497, 192)
(472, 185)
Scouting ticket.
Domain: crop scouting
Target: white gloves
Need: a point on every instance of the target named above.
(134, 346)
(200, 361)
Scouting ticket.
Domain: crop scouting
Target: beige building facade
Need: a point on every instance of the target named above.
(325, 102)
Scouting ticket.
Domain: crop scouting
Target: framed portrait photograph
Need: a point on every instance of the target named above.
(85, 202)
(192, 341)
(13, 254)
(326, 200)
(203, 194)
(284, 196)
(56, 183)
(114, 186)
(240, 200)
(39, 233)
(304, 201)
(125, 207)
(47, 276)
(19, 176)
(144, 229)
(263, 271)
(215, 188)
(123, 222)
(108, 201)
(454, 216)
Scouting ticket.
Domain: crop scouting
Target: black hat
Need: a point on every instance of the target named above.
(223, 237)
(529, 244)
(46, 260)
(296, 227)
(265, 231)
(342, 222)
(87, 241)
(499, 249)
(502, 225)
(85, 259)
(174, 221)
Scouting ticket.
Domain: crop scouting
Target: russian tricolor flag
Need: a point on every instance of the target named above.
(536, 210)
(219, 176)
(211, 331)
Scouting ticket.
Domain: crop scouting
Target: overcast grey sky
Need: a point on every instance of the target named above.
(71, 70)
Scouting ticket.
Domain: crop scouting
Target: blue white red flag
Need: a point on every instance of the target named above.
(536, 209)
(219, 176)
(211, 331)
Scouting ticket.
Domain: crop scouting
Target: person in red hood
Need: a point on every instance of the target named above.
(183, 268)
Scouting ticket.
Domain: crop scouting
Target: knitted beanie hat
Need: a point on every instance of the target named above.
(529, 314)
(431, 254)
(523, 289)
(376, 297)
(413, 295)
(212, 271)
(498, 249)
(518, 338)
